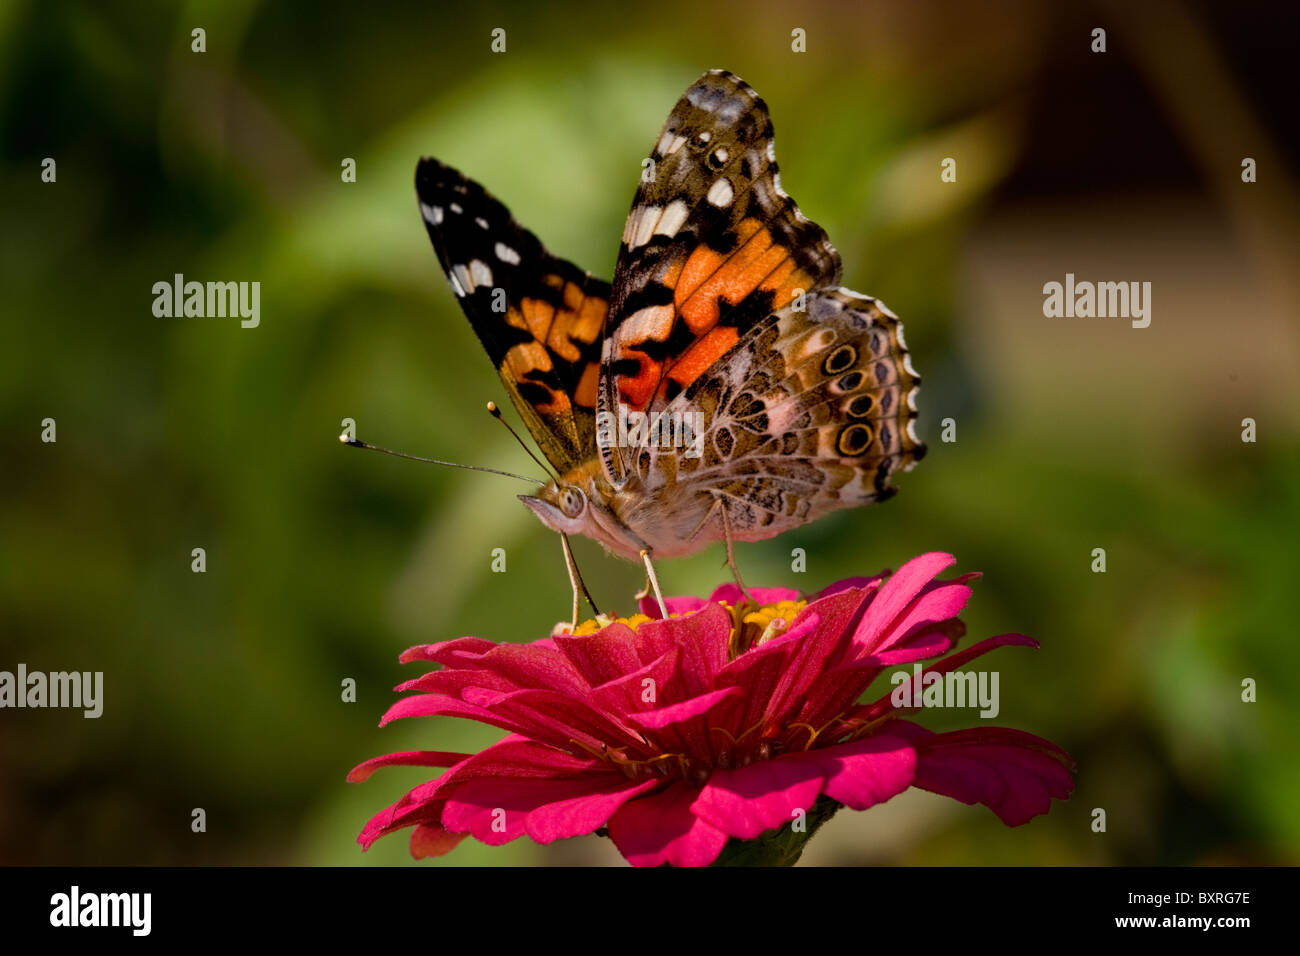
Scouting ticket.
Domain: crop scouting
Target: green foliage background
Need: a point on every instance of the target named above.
(223, 689)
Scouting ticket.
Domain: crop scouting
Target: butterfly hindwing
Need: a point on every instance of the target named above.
(812, 412)
(540, 318)
(712, 246)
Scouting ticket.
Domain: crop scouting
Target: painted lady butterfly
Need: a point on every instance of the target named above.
(724, 387)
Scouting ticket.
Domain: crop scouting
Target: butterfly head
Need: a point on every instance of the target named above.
(582, 502)
(562, 507)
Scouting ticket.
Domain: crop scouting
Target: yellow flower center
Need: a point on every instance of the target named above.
(605, 620)
(768, 617)
(751, 625)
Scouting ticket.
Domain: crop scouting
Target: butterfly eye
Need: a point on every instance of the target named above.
(572, 501)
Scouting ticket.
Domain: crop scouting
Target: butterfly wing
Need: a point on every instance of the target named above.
(813, 411)
(539, 317)
(712, 246)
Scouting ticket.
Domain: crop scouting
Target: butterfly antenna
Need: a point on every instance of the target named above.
(496, 413)
(358, 443)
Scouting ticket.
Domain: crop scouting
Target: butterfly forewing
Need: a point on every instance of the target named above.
(539, 317)
(712, 246)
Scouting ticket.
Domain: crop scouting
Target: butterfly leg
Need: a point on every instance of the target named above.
(654, 583)
(731, 552)
(576, 582)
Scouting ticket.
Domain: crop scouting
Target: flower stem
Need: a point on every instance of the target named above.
(781, 847)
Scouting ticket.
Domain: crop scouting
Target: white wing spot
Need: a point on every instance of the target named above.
(720, 155)
(647, 219)
(480, 273)
(771, 151)
(455, 282)
(506, 254)
(455, 207)
(672, 219)
(432, 214)
(482, 223)
(720, 193)
(652, 322)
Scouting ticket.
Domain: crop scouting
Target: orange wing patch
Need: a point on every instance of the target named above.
(584, 396)
(697, 359)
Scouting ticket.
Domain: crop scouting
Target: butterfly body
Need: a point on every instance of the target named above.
(724, 386)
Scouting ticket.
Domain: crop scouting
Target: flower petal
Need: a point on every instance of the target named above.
(921, 645)
(405, 758)
(731, 594)
(512, 776)
(423, 804)
(682, 711)
(863, 773)
(938, 604)
(406, 812)
(583, 814)
(759, 673)
(896, 594)
(496, 810)
(455, 681)
(703, 638)
(1013, 773)
(686, 727)
(660, 829)
(430, 840)
(604, 656)
(532, 665)
(558, 719)
(812, 655)
(653, 685)
(463, 651)
(749, 801)
(679, 606)
(854, 584)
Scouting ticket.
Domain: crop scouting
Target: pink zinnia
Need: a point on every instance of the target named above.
(725, 720)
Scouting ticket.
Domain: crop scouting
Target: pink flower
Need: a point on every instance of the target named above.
(727, 720)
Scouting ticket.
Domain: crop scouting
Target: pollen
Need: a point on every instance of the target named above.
(773, 619)
(604, 620)
(757, 625)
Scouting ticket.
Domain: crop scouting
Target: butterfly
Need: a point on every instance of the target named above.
(724, 386)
